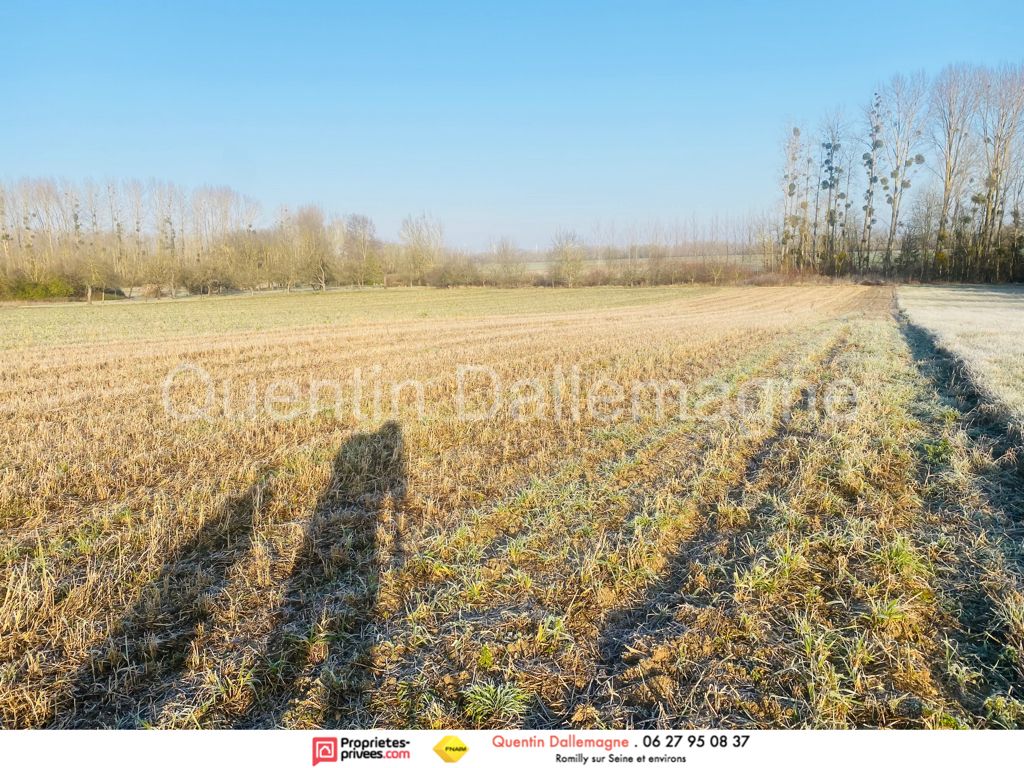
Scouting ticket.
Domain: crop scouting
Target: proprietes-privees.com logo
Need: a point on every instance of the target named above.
(332, 749)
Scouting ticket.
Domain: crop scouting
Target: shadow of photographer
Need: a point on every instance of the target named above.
(130, 676)
(326, 623)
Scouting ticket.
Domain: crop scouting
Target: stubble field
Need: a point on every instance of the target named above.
(266, 537)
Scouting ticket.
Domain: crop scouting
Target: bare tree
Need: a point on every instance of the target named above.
(362, 249)
(423, 241)
(1001, 117)
(567, 253)
(311, 247)
(952, 108)
(510, 264)
(792, 215)
(832, 174)
(903, 102)
(870, 161)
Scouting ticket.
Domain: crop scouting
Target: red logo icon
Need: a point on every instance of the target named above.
(325, 749)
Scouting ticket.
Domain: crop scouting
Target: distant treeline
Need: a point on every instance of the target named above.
(928, 183)
(62, 240)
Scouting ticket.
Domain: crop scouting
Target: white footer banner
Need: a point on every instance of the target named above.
(532, 749)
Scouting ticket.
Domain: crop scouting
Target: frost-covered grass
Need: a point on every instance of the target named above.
(984, 328)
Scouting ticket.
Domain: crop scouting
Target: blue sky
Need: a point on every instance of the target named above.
(513, 119)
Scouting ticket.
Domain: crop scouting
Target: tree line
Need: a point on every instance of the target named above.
(60, 239)
(926, 183)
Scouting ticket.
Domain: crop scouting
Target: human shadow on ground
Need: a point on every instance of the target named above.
(327, 620)
(129, 676)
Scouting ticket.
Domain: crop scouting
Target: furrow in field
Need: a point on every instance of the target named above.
(717, 551)
(595, 571)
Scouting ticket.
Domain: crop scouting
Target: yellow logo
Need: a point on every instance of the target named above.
(451, 749)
